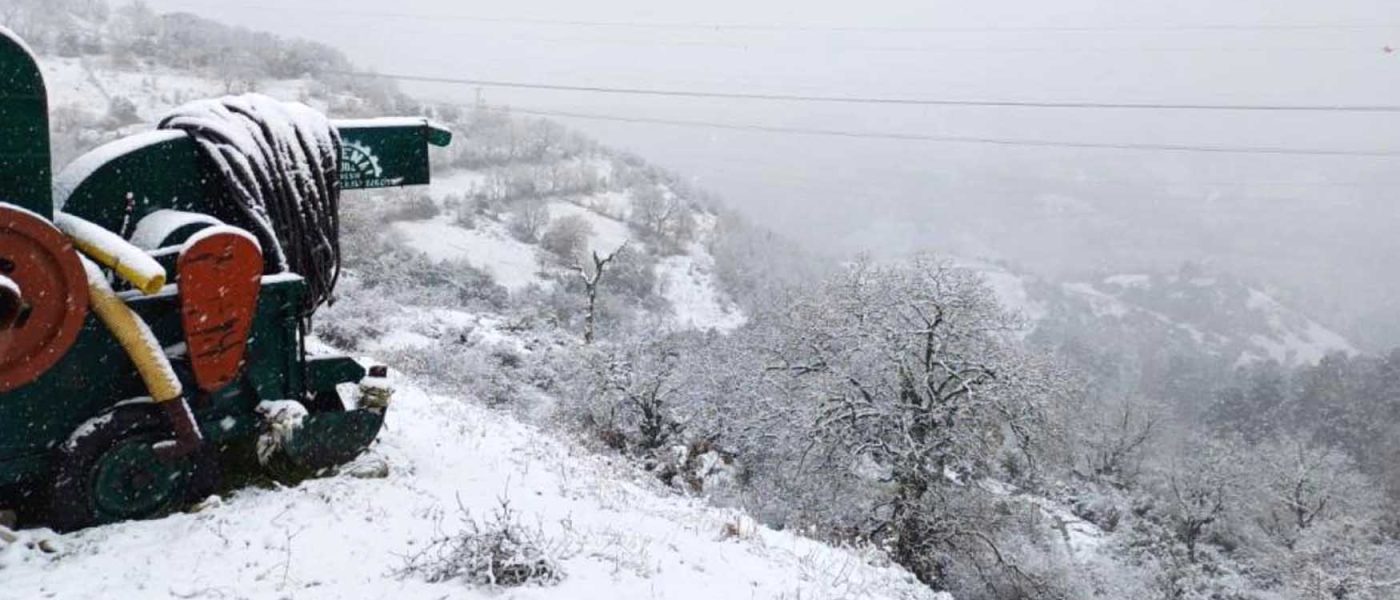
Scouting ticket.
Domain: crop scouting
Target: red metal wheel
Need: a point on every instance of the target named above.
(53, 287)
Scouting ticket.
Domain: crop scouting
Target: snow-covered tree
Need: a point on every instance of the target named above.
(661, 213)
(906, 380)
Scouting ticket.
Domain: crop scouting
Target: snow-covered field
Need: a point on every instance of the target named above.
(618, 534)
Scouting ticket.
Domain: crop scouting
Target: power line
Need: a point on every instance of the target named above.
(1352, 108)
(762, 27)
(773, 45)
(861, 177)
(960, 139)
(776, 45)
(766, 44)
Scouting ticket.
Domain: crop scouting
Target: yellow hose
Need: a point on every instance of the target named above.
(130, 263)
(134, 336)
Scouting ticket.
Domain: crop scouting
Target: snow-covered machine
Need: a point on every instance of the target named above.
(155, 298)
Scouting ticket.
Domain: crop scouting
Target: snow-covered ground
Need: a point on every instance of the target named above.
(511, 263)
(687, 281)
(618, 533)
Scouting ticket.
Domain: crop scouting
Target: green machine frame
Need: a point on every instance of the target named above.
(115, 186)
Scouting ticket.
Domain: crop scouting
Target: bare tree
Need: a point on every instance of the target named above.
(1113, 445)
(591, 277)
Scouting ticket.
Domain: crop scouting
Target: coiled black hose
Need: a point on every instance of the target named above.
(280, 163)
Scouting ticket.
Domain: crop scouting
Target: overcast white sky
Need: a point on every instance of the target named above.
(889, 196)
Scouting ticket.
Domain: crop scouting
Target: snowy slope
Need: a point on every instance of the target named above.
(618, 532)
(685, 280)
(488, 247)
(688, 283)
(1299, 339)
(1216, 315)
(619, 535)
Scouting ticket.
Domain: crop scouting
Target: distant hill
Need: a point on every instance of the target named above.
(1185, 312)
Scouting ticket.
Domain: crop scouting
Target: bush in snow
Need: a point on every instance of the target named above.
(392, 269)
(491, 374)
(665, 217)
(632, 389)
(527, 219)
(500, 552)
(565, 239)
(121, 111)
(410, 207)
(464, 210)
(633, 278)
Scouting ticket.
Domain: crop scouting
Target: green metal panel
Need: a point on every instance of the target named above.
(97, 373)
(390, 152)
(41, 415)
(25, 168)
(325, 372)
(118, 184)
(274, 346)
(115, 186)
(327, 439)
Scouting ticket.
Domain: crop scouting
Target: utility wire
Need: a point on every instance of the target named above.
(1351, 108)
(766, 44)
(960, 139)
(750, 165)
(717, 26)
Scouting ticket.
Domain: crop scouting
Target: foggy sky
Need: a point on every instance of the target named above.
(1319, 228)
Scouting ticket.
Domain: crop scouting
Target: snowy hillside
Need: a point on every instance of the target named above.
(685, 280)
(614, 530)
(611, 386)
(1215, 315)
(444, 459)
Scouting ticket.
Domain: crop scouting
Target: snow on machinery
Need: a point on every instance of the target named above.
(154, 299)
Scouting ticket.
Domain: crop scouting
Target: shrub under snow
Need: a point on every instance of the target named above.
(499, 552)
